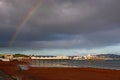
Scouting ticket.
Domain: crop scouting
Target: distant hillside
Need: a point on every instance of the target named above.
(20, 55)
(114, 56)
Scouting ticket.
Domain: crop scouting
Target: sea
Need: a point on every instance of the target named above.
(106, 64)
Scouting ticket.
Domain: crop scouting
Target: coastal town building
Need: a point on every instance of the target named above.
(19, 57)
(49, 57)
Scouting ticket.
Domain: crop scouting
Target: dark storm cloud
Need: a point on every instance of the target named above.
(92, 40)
(68, 23)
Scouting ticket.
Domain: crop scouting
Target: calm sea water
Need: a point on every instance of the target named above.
(108, 64)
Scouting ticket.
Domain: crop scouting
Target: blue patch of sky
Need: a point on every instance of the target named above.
(115, 49)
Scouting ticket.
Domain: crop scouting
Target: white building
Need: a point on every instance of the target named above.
(49, 57)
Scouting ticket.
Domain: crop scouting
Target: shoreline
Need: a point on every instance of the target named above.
(59, 73)
(74, 67)
(67, 66)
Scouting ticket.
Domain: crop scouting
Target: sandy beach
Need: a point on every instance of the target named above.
(46, 73)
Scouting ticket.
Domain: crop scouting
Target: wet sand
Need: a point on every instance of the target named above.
(44, 73)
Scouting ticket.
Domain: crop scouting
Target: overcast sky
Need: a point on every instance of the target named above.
(87, 26)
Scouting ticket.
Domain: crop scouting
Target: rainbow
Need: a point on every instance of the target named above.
(23, 21)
